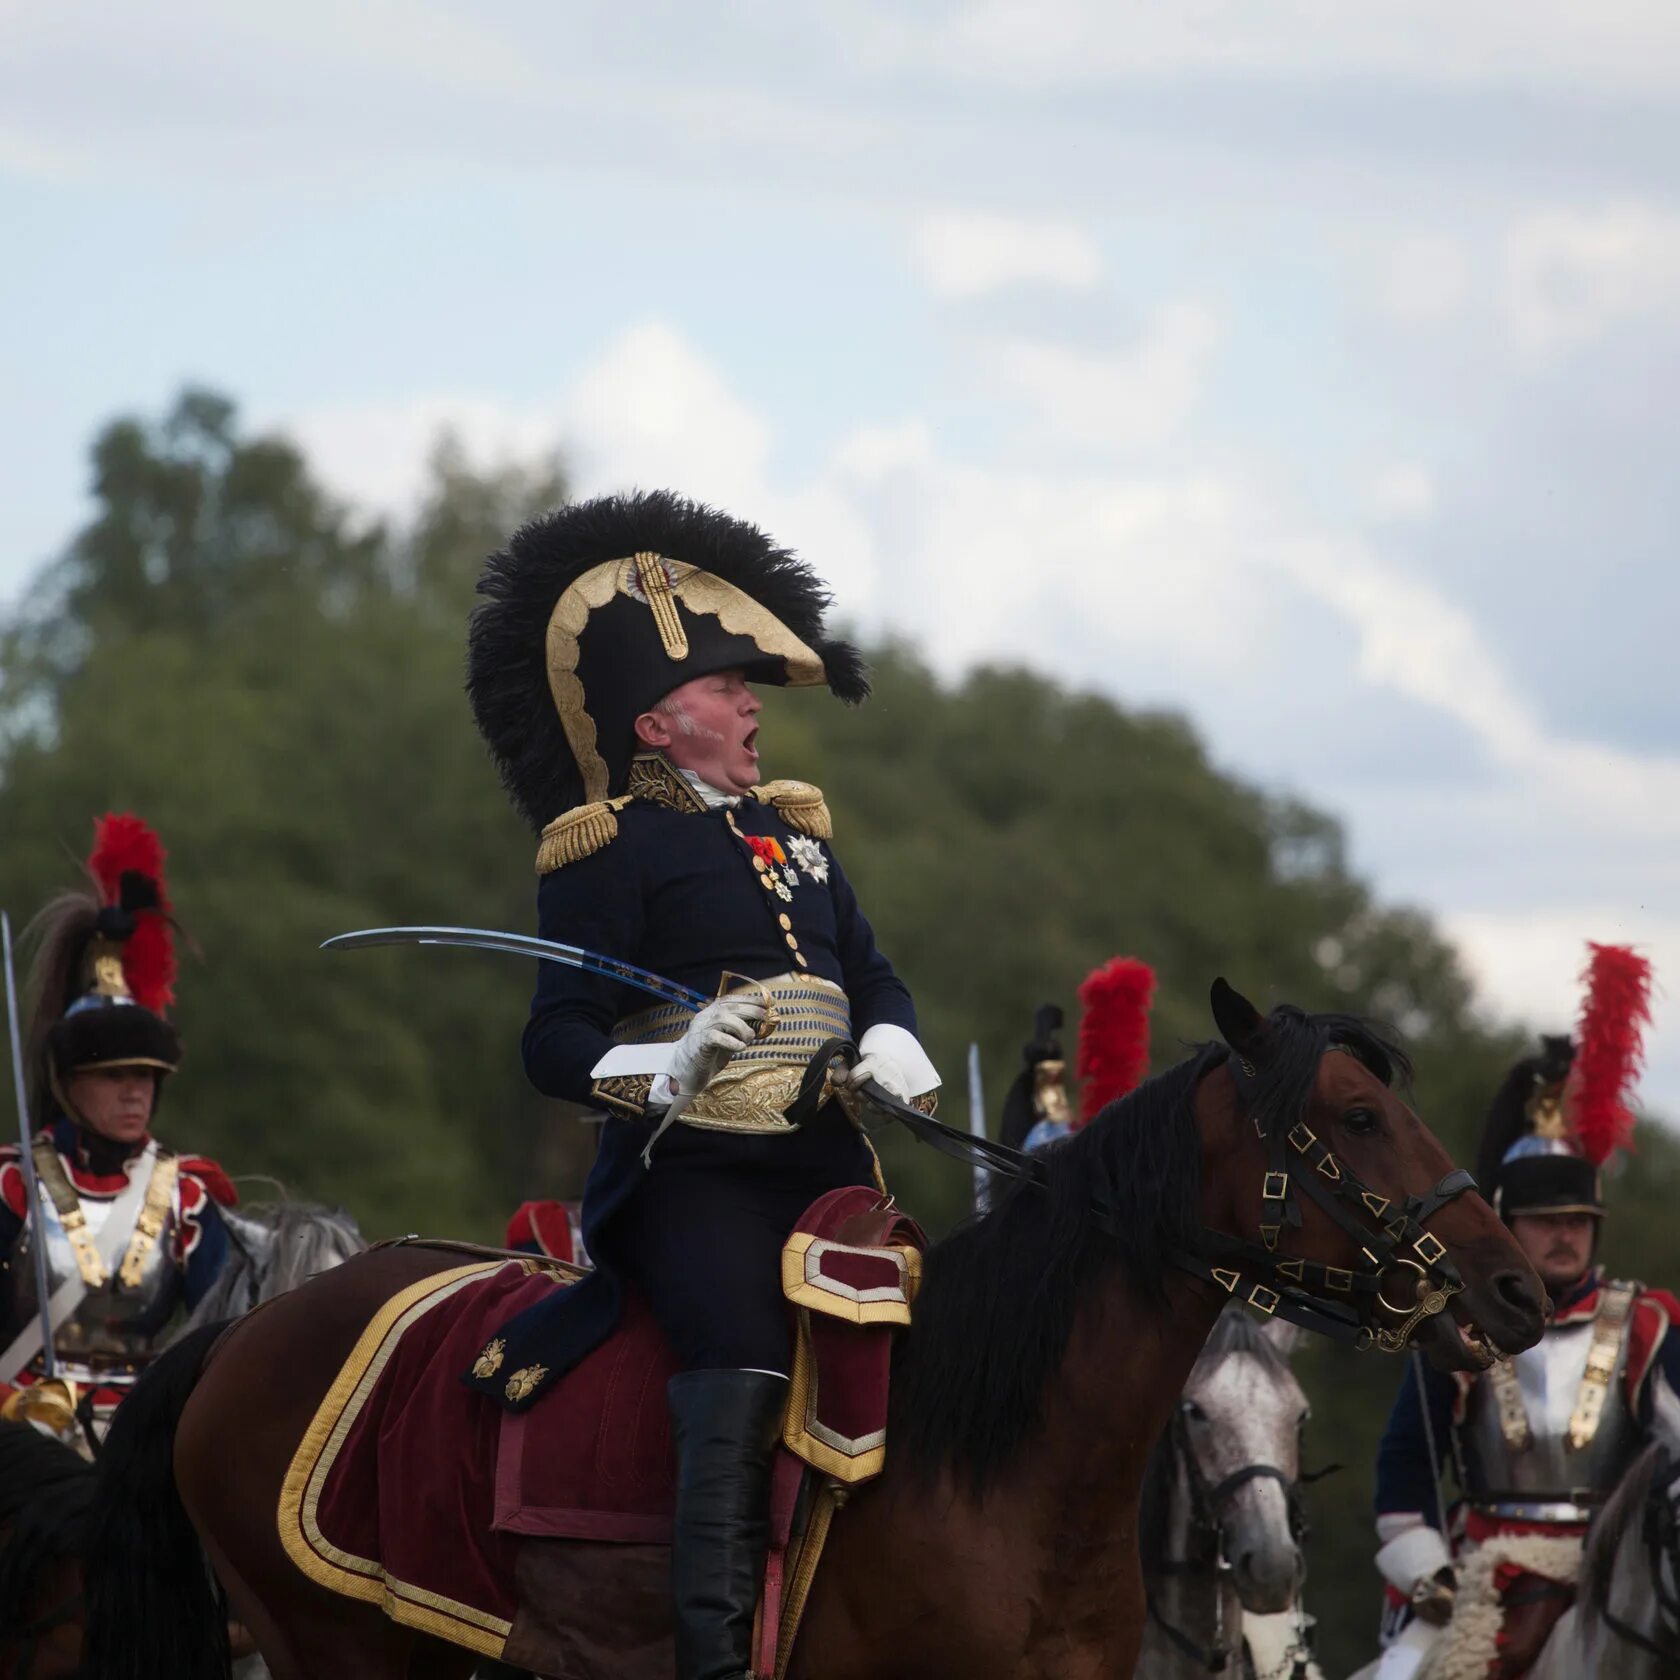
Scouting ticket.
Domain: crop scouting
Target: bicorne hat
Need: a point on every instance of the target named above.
(594, 613)
(104, 970)
(1560, 1115)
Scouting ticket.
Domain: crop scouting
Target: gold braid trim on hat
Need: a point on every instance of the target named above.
(662, 583)
(800, 805)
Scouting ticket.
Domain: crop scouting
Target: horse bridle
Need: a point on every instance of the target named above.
(1390, 1235)
(1660, 1533)
(1207, 1533)
(1344, 1303)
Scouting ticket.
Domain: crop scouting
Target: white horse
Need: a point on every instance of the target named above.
(1625, 1622)
(274, 1247)
(1220, 1521)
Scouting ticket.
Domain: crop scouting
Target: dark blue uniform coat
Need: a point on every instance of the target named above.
(700, 1231)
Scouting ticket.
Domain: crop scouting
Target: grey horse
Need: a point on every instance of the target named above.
(1219, 1523)
(275, 1247)
(1625, 1621)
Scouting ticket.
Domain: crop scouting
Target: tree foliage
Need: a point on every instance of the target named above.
(276, 684)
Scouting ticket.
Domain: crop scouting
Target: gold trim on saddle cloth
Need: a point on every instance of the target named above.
(300, 1496)
(848, 1459)
(756, 1086)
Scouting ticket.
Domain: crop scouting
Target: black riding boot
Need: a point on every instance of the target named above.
(725, 1424)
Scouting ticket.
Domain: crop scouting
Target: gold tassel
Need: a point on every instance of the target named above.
(656, 585)
(577, 834)
(801, 805)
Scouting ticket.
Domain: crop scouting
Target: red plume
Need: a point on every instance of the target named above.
(1113, 1032)
(127, 862)
(1611, 1037)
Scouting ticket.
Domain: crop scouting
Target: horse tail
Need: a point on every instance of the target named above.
(154, 1606)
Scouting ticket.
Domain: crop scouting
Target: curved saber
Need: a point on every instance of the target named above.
(524, 945)
(26, 1160)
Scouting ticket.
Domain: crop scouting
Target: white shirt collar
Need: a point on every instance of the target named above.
(715, 801)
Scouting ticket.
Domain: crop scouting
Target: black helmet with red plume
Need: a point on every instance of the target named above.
(1560, 1115)
(1113, 1054)
(104, 969)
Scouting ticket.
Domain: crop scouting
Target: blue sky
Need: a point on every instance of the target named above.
(1310, 367)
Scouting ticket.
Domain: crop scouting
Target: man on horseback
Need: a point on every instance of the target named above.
(612, 667)
(1035, 1107)
(132, 1230)
(1539, 1441)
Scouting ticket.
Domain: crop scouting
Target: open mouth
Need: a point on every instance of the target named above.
(749, 742)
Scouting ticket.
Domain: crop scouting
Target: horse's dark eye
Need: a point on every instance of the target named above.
(1194, 1412)
(1360, 1121)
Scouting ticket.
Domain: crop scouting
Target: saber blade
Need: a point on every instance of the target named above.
(26, 1156)
(977, 1124)
(525, 945)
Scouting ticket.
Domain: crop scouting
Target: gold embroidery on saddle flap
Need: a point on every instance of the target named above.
(869, 1289)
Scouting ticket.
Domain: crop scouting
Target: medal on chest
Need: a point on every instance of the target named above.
(770, 860)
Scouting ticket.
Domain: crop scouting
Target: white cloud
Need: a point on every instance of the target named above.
(1118, 400)
(376, 452)
(1531, 962)
(1107, 577)
(1571, 275)
(966, 254)
(1424, 280)
(1613, 44)
(1403, 490)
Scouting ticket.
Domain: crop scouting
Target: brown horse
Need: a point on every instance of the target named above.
(48, 1491)
(1051, 1340)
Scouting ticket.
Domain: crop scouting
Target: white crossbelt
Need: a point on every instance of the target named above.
(111, 1244)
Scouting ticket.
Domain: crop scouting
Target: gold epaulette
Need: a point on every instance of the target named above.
(801, 806)
(578, 833)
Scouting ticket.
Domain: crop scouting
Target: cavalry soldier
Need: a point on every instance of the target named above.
(1035, 1108)
(611, 668)
(1113, 1056)
(132, 1230)
(1537, 1442)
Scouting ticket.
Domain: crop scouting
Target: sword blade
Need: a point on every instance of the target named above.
(26, 1159)
(524, 945)
(977, 1124)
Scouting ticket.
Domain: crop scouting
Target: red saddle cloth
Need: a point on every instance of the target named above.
(413, 1491)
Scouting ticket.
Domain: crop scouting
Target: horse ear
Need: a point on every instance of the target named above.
(1239, 1022)
(1284, 1336)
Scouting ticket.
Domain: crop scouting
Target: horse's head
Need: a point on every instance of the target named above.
(1325, 1192)
(1238, 1437)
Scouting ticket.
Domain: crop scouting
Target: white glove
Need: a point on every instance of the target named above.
(895, 1061)
(714, 1035)
(1414, 1554)
(884, 1072)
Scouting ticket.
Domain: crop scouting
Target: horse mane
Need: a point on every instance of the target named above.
(297, 1240)
(46, 1499)
(1622, 1513)
(1001, 1293)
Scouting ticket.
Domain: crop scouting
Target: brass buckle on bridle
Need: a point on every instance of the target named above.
(1430, 1297)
